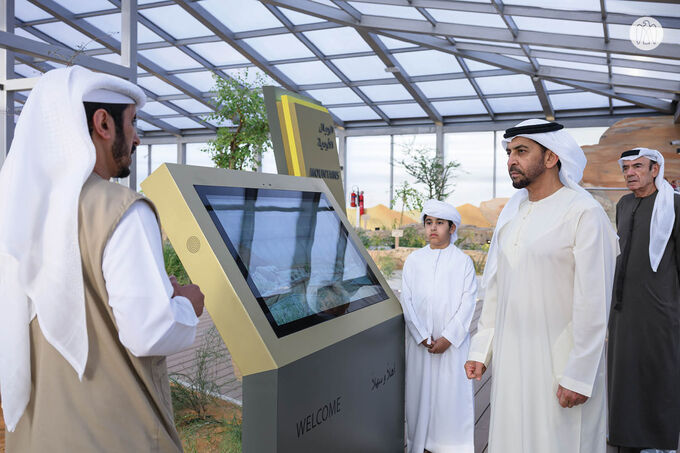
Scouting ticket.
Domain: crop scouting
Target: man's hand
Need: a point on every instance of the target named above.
(568, 398)
(439, 346)
(474, 370)
(191, 292)
(426, 343)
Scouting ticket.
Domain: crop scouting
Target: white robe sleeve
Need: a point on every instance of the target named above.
(594, 262)
(150, 321)
(458, 327)
(413, 324)
(481, 342)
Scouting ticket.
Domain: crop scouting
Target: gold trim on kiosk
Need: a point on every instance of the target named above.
(241, 322)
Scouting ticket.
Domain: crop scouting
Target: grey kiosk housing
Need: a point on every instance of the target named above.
(306, 314)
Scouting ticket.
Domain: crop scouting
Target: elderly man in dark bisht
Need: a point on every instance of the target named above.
(644, 327)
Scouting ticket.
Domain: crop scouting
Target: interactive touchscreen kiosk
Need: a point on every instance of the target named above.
(304, 311)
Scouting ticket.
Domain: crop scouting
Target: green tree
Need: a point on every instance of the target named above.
(409, 198)
(423, 165)
(237, 100)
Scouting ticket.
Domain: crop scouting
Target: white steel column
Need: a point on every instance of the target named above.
(6, 73)
(439, 131)
(128, 58)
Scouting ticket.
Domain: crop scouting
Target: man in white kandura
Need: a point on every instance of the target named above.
(439, 291)
(548, 281)
(87, 312)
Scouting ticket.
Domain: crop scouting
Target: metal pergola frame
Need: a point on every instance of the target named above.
(509, 50)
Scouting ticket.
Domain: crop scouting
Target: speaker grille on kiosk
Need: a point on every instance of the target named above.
(193, 244)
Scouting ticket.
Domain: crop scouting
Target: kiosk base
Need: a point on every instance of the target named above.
(348, 397)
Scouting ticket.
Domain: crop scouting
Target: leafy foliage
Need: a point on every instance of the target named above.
(387, 265)
(409, 198)
(413, 237)
(240, 102)
(173, 266)
(437, 178)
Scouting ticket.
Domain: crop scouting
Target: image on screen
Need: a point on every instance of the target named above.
(295, 253)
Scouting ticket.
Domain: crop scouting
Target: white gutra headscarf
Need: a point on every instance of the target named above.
(442, 210)
(663, 214)
(51, 156)
(573, 162)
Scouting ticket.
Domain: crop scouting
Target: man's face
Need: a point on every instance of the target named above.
(525, 161)
(637, 174)
(126, 142)
(438, 231)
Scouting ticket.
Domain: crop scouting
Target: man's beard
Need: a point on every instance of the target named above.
(530, 176)
(119, 153)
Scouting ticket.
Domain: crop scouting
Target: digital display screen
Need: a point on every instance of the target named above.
(295, 253)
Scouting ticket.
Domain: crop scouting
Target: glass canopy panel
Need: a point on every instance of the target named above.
(363, 68)
(646, 59)
(336, 41)
(144, 126)
(647, 73)
(279, 47)
(26, 71)
(638, 9)
(175, 21)
(182, 123)
(571, 51)
(400, 12)
(354, 113)
(219, 53)
(515, 83)
(552, 86)
(490, 43)
(478, 66)
(170, 58)
(559, 26)
(334, 96)
(457, 108)
(202, 81)
(157, 86)
(308, 73)
(515, 104)
(573, 65)
(379, 93)
(241, 15)
(578, 100)
(427, 62)
(391, 43)
(575, 5)
(467, 18)
(192, 106)
(252, 75)
(446, 88)
(411, 110)
(86, 6)
(69, 36)
(24, 34)
(110, 57)
(145, 35)
(298, 18)
(326, 2)
(25, 11)
(670, 35)
(156, 108)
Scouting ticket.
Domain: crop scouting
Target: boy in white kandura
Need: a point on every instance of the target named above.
(439, 292)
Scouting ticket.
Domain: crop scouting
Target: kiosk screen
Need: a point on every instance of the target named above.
(295, 253)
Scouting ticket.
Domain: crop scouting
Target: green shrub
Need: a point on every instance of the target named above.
(413, 237)
(173, 266)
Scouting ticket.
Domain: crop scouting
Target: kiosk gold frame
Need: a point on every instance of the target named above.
(335, 385)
